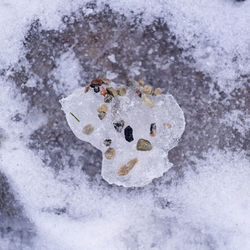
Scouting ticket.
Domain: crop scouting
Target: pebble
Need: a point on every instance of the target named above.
(121, 91)
(105, 81)
(107, 142)
(102, 108)
(141, 83)
(112, 91)
(153, 129)
(110, 153)
(147, 89)
(138, 92)
(119, 126)
(128, 132)
(86, 88)
(167, 125)
(101, 115)
(147, 101)
(108, 98)
(125, 169)
(96, 88)
(157, 91)
(96, 81)
(143, 145)
(88, 129)
(103, 91)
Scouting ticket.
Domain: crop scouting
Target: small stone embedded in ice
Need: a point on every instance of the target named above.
(142, 130)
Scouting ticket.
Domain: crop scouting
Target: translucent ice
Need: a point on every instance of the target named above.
(133, 130)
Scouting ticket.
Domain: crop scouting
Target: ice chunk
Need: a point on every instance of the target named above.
(140, 130)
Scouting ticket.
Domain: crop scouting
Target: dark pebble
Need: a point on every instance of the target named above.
(108, 98)
(101, 115)
(96, 88)
(128, 132)
(107, 142)
(153, 129)
(119, 126)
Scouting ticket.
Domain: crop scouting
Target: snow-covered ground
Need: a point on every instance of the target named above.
(52, 195)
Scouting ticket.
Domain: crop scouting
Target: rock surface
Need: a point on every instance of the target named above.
(129, 162)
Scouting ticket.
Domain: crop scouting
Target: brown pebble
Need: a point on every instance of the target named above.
(96, 81)
(125, 169)
(101, 115)
(88, 129)
(143, 145)
(86, 88)
(167, 125)
(147, 89)
(147, 101)
(153, 129)
(103, 91)
(102, 108)
(112, 91)
(157, 91)
(105, 81)
(110, 153)
(121, 91)
(138, 92)
(141, 83)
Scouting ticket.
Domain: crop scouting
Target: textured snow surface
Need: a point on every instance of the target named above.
(52, 195)
(129, 108)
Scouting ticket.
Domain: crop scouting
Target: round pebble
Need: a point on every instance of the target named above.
(103, 108)
(157, 91)
(121, 91)
(147, 89)
(147, 101)
(88, 129)
(143, 145)
(110, 153)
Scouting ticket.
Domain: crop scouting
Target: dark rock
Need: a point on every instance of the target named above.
(128, 132)
(108, 98)
(107, 142)
(119, 126)
(96, 88)
(153, 129)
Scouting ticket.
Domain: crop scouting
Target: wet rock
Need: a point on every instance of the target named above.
(88, 129)
(119, 126)
(112, 92)
(143, 145)
(107, 142)
(121, 91)
(103, 108)
(153, 129)
(108, 98)
(157, 91)
(101, 115)
(147, 101)
(147, 89)
(110, 153)
(125, 169)
(96, 88)
(128, 132)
